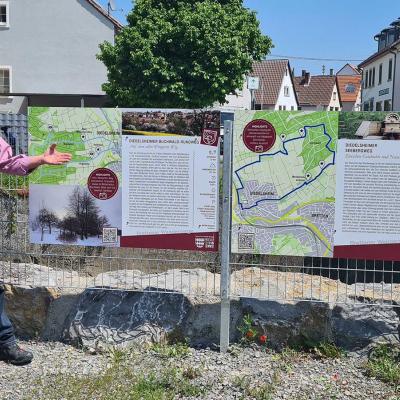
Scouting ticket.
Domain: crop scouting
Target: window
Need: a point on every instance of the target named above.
(371, 105)
(280, 108)
(380, 74)
(284, 107)
(331, 109)
(5, 80)
(350, 88)
(366, 79)
(370, 78)
(378, 106)
(286, 91)
(366, 106)
(4, 14)
(387, 105)
(334, 96)
(292, 108)
(336, 108)
(373, 76)
(390, 72)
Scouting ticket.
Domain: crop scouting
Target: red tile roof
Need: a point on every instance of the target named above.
(271, 73)
(102, 11)
(317, 93)
(343, 83)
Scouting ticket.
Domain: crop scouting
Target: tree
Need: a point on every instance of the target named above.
(46, 219)
(83, 209)
(182, 53)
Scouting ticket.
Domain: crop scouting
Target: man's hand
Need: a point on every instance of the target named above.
(53, 157)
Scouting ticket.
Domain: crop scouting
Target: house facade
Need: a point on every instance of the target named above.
(317, 92)
(276, 90)
(241, 100)
(381, 72)
(48, 53)
(348, 81)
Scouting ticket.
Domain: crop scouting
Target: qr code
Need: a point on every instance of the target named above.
(110, 235)
(246, 241)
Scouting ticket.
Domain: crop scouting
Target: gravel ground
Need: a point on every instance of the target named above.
(288, 375)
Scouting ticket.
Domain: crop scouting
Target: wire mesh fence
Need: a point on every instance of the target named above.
(191, 273)
(287, 279)
(339, 281)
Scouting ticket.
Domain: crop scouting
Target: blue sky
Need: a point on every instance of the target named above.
(339, 29)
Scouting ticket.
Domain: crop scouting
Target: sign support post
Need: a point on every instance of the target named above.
(226, 237)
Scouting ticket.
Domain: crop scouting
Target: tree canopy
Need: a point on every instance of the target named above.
(182, 53)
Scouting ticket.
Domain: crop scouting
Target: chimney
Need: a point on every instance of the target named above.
(306, 78)
(331, 72)
(303, 73)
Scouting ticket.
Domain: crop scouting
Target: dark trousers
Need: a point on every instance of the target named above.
(6, 328)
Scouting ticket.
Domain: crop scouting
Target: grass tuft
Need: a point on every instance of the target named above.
(120, 381)
(384, 364)
(178, 350)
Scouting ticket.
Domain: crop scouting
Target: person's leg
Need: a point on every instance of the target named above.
(9, 350)
(7, 336)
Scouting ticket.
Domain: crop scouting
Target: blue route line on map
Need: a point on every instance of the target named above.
(285, 153)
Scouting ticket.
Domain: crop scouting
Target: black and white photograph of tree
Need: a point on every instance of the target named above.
(71, 215)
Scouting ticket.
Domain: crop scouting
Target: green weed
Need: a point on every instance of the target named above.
(384, 364)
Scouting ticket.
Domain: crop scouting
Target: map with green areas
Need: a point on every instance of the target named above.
(91, 135)
(283, 200)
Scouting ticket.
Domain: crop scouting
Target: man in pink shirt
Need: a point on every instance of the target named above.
(20, 165)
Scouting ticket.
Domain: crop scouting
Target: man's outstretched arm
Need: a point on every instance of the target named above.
(22, 164)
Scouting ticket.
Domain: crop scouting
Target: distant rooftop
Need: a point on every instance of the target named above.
(315, 90)
(271, 73)
(389, 35)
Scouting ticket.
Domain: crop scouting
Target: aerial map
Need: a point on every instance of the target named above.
(91, 135)
(80, 202)
(284, 172)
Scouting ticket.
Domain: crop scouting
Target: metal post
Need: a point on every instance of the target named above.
(226, 237)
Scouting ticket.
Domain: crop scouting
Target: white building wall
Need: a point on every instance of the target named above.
(288, 102)
(52, 46)
(239, 101)
(383, 91)
(396, 96)
(335, 100)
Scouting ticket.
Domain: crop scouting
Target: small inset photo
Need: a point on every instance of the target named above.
(70, 214)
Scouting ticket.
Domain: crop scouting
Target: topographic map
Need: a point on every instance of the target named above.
(91, 135)
(284, 198)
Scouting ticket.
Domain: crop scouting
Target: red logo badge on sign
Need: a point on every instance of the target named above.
(259, 136)
(103, 184)
(210, 137)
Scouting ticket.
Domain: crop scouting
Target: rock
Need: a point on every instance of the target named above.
(193, 282)
(120, 317)
(358, 326)
(185, 304)
(34, 275)
(28, 308)
(289, 324)
(58, 313)
(202, 325)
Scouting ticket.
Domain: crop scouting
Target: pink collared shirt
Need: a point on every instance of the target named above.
(12, 165)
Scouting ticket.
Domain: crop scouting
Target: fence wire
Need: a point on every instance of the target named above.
(274, 278)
